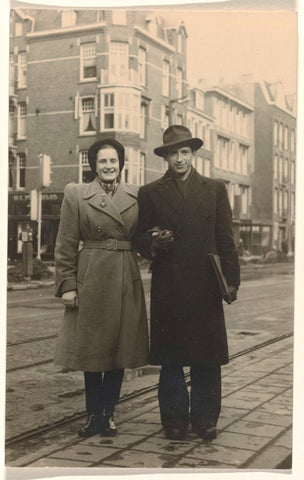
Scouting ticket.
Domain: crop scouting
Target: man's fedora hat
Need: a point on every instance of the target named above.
(94, 149)
(175, 136)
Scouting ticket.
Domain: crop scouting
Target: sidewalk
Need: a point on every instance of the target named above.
(254, 429)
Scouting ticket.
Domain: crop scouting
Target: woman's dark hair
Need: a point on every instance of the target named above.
(94, 149)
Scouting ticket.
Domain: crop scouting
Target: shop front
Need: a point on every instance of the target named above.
(19, 221)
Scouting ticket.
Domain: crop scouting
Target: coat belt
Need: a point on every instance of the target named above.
(110, 244)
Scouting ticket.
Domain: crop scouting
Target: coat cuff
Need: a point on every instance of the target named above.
(66, 286)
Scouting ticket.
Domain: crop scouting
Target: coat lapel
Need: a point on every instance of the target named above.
(170, 194)
(199, 189)
(98, 199)
(124, 198)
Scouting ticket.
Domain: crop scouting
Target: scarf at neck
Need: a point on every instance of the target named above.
(110, 187)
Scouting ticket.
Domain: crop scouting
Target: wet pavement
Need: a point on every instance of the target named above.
(254, 429)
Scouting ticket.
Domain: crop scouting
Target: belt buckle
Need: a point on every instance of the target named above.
(111, 244)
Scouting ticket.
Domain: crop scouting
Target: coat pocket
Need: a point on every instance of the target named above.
(82, 265)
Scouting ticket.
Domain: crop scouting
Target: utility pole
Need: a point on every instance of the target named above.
(36, 198)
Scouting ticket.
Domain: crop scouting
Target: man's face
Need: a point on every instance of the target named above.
(180, 160)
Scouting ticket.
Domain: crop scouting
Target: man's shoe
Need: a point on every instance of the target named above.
(206, 433)
(92, 426)
(175, 433)
(108, 427)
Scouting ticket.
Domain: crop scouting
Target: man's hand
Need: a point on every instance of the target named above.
(232, 292)
(70, 299)
(162, 240)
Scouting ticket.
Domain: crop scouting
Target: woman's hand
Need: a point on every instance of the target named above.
(70, 299)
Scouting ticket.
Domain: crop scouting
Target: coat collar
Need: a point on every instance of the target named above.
(124, 197)
(166, 188)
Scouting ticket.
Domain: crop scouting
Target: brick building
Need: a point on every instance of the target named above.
(80, 75)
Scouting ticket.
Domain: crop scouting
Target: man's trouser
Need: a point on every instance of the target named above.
(205, 397)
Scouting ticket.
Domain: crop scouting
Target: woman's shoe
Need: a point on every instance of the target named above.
(92, 426)
(108, 427)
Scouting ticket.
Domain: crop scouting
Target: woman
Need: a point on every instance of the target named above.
(105, 326)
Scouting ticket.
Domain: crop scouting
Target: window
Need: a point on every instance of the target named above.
(286, 138)
(281, 171)
(120, 110)
(180, 43)
(281, 137)
(119, 17)
(292, 205)
(217, 153)
(85, 172)
(18, 29)
(21, 120)
(164, 117)
(87, 116)
(142, 57)
(244, 159)
(143, 120)
(276, 133)
(142, 166)
(22, 70)
(231, 156)
(88, 61)
(285, 203)
(238, 121)
(179, 82)
(119, 62)
(20, 171)
(280, 205)
(276, 167)
(238, 160)
(293, 173)
(108, 109)
(286, 168)
(276, 200)
(207, 137)
(244, 199)
(166, 78)
(292, 141)
(133, 157)
(68, 18)
(244, 124)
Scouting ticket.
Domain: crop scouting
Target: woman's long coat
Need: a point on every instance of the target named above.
(187, 319)
(109, 329)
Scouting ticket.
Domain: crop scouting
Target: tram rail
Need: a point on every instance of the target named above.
(36, 432)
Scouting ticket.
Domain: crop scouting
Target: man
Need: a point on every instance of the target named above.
(182, 217)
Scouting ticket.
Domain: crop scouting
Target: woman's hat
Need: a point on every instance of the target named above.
(175, 136)
(94, 149)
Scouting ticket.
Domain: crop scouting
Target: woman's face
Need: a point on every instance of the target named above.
(107, 164)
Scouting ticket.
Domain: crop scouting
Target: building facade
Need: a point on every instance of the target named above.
(233, 152)
(273, 183)
(81, 75)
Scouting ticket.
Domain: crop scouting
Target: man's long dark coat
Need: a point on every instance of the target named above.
(187, 318)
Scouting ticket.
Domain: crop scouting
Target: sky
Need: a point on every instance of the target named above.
(225, 44)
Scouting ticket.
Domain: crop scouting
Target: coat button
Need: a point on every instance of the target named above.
(99, 229)
(120, 229)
